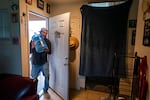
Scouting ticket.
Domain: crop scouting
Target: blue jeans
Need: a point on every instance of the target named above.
(35, 71)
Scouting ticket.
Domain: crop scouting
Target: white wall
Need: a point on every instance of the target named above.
(142, 50)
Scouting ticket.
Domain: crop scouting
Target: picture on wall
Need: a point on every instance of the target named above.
(29, 2)
(146, 36)
(14, 17)
(40, 4)
(132, 23)
(48, 8)
(133, 37)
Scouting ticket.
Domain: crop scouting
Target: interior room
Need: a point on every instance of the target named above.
(99, 48)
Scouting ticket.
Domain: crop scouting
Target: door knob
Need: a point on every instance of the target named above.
(66, 58)
(65, 64)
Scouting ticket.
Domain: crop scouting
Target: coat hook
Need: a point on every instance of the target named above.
(23, 14)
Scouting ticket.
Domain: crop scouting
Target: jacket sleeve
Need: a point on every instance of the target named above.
(32, 50)
(49, 46)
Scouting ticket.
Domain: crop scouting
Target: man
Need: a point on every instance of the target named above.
(39, 60)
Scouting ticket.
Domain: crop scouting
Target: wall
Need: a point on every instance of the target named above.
(130, 47)
(142, 50)
(10, 55)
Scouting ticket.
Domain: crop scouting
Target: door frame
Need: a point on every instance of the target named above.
(25, 38)
(25, 46)
(41, 16)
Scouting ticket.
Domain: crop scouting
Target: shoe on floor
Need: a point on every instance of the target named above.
(46, 95)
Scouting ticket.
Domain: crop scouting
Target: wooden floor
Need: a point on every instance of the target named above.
(77, 95)
(83, 94)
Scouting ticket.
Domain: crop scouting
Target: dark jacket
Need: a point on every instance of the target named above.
(40, 58)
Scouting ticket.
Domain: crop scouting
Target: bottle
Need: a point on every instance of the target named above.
(39, 42)
(42, 41)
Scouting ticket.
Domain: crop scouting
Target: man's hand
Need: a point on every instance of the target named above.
(32, 44)
(46, 50)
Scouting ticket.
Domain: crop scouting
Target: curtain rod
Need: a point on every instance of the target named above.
(102, 1)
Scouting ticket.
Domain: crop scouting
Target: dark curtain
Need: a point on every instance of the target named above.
(103, 35)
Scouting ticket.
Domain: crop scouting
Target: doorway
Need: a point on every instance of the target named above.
(58, 61)
(35, 23)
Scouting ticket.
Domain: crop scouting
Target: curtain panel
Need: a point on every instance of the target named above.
(103, 35)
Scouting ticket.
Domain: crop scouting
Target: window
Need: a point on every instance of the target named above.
(4, 24)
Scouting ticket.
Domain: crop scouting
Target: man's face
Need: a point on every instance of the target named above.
(44, 33)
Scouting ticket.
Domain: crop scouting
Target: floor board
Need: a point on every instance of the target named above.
(77, 95)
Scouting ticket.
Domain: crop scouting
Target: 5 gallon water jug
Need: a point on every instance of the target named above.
(40, 43)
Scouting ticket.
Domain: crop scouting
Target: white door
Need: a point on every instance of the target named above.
(58, 60)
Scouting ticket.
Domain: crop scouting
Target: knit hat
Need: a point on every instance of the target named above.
(43, 29)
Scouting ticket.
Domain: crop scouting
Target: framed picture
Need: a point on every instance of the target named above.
(132, 23)
(40, 4)
(133, 37)
(14, 17)
(48, 8)
(146, 36)
(29, 2)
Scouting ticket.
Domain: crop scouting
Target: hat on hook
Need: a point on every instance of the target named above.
(74, 43)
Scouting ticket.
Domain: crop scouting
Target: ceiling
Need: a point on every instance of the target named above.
(69, 1)
(64, 1)
(35, 17)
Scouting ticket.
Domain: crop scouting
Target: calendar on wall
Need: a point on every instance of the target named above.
(146, 36)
